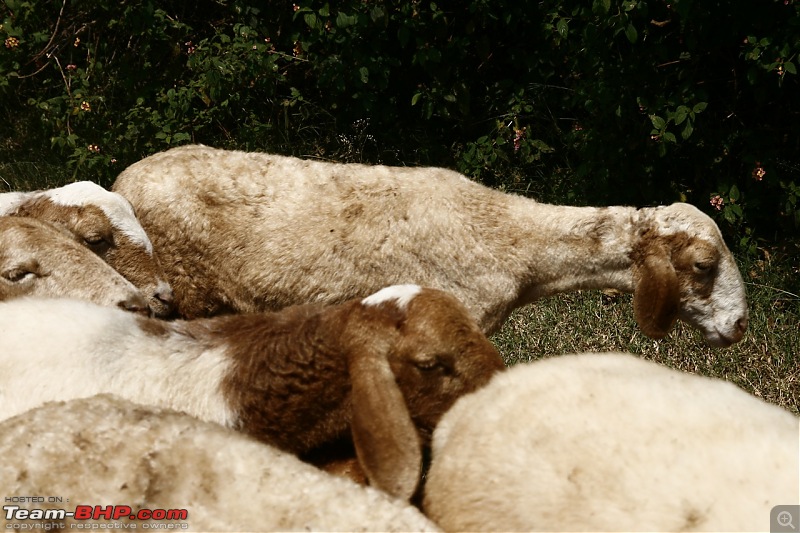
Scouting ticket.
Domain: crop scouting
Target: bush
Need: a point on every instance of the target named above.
(637, 102)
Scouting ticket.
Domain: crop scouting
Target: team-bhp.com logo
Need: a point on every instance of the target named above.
(19, 518)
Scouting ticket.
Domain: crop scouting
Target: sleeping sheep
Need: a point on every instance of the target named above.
(240, 231)
(105, 223)
(131, 460)
(39, 259)
(382, 369)
(610, 442)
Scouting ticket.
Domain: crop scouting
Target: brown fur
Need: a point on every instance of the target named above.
(311, 375)
(92, 228)
(54, 265)
(665, 268)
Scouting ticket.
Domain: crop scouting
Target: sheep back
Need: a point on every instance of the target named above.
(106, 451)
(608, 442)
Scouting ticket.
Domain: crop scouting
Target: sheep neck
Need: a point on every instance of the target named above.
(565, 248)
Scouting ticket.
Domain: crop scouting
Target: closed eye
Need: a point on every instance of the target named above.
(703, 267)
(440, 362)
(97, 243)
(19, 275)
(427, 363)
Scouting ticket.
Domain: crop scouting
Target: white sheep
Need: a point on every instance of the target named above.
(383, 369)
(240, 231)
(104, 451)
(610, 442)
(39, 259)
(105, 223)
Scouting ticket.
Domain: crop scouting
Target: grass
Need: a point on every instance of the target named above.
(765, 363)
(30, 176)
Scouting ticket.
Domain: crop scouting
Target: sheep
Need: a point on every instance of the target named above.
(105, 223)
(39, 259)
(382, 369)
(610, 442)
(243, 231)
(105, 451)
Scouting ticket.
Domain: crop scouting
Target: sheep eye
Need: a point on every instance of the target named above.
(96, 242)
(703, 267)
(17, 275)
(427, 363)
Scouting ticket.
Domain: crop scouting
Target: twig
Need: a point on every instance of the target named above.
(776, 289)
(55, 30)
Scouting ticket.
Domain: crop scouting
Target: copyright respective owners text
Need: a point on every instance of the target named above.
(54, 513)
(784, 518)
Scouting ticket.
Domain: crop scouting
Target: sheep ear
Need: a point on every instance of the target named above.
(386, 440)
(656, 298)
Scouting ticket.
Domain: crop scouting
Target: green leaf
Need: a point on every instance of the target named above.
(601, 6)
(311, 20)
(790, 68)
(415, 98)
(734, 193)
(562, 27)
(700, 107)
(687, 130)
(343, 20)
(631, 33)
(729, 216)
(670, 137)
(364, 72)
(377, 14)
(681, 114)
(658, 122)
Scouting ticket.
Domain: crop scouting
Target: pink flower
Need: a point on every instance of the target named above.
(717, 202)
(519, 134)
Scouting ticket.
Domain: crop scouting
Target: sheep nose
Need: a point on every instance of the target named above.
(164, 295)
(163, 300)
(741, 325)
(135, 304)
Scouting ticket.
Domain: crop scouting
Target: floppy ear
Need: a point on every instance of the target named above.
(386, 440)
(656, 298)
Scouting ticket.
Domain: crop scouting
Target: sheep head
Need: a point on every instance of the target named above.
(105, 223)
(683, 269)
(40, 259)
(414, 352)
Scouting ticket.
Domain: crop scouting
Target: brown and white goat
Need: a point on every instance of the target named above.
(383, 369)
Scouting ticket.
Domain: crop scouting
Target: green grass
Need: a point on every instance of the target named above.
(766, 362)
(31, 176)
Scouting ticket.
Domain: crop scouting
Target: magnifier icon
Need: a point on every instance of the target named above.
(785, 519)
